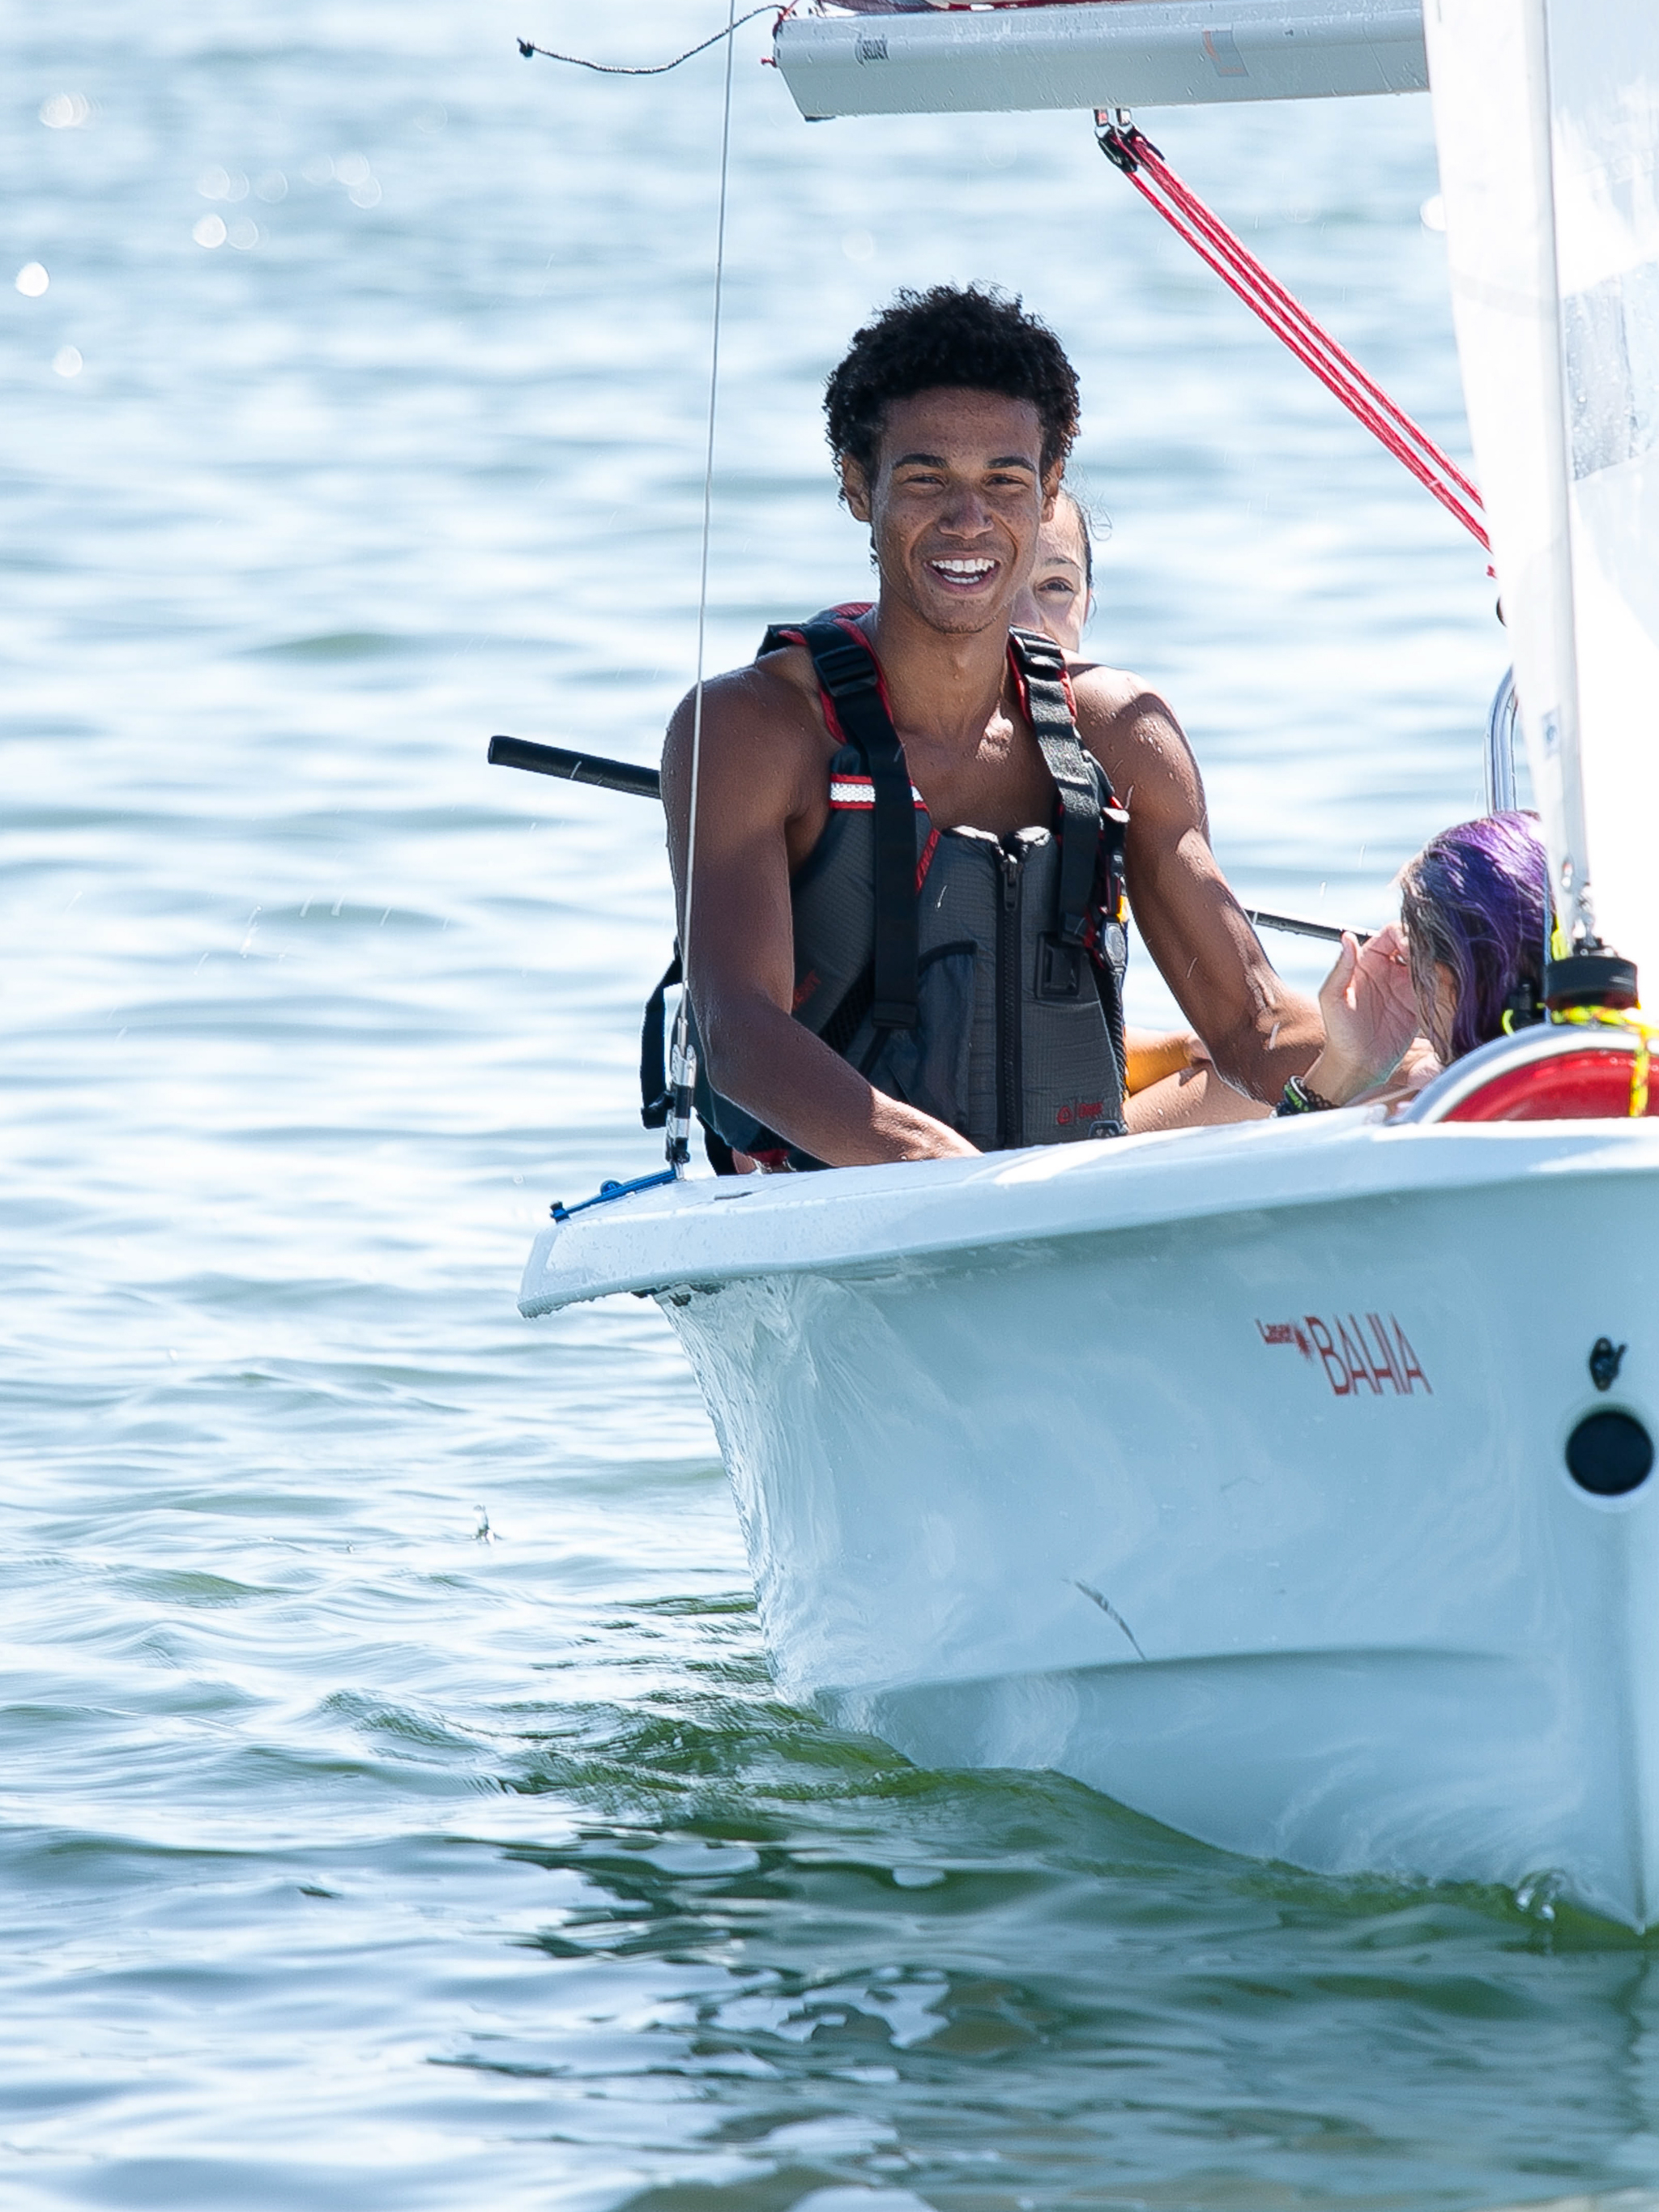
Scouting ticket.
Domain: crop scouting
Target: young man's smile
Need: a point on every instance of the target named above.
(964, 576)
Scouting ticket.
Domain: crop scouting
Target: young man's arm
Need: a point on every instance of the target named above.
(1259, 1032)
(760, 753)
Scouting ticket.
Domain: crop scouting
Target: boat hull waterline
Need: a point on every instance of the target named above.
(1225, 1472)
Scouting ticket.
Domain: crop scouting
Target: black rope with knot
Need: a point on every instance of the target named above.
(661, 69)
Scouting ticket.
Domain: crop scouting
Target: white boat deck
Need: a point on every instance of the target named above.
(747, 1228)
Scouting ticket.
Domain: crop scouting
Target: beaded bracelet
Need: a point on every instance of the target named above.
(1298, 1098)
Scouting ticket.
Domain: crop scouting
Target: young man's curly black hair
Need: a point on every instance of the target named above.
(965, 339)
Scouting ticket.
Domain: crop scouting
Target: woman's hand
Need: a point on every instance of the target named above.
(1371, 1016)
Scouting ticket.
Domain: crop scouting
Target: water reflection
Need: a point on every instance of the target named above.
(66, 111)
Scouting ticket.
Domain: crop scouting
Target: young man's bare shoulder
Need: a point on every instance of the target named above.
(761, 732)
(770, 697)
(1114, 706)
(1133, 731)
(1107, 693)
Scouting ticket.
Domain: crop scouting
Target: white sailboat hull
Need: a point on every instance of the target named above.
(1224, 1472)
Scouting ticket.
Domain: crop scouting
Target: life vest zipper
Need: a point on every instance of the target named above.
(1010, 1083)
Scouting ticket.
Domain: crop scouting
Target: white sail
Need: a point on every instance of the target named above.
(1546, 114)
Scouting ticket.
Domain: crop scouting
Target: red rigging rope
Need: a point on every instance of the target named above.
(1291, 322)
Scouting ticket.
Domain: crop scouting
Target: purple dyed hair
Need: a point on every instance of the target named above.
(1473, 902)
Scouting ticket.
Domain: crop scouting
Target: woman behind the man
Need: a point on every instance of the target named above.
(1464, 962)
(1169, 1080)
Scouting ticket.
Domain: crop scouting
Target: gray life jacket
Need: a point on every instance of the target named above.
(977, 978)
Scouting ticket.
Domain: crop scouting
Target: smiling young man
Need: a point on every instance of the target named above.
(907, 929)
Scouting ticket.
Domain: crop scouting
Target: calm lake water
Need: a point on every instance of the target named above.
(396, 1809)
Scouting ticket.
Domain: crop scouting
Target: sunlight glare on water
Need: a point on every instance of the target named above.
(396, 1808)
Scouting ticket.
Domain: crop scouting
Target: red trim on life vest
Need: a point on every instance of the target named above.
(855, 791)
(927, 860)
(1022, 690)
(847, 615)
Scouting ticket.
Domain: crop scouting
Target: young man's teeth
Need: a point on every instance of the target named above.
(970, 569)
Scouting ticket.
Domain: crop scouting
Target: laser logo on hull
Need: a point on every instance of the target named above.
(1376, 1355)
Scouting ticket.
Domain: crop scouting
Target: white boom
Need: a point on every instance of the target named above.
(1102, 53)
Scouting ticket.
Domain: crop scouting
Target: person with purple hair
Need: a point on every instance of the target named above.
(1464, 962)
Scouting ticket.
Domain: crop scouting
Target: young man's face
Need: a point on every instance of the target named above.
(955, 504)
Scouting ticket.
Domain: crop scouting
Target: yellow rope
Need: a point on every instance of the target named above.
(1621, 1017)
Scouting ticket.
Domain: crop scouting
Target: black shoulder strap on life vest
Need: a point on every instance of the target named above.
(1042, 667)
(847, 672)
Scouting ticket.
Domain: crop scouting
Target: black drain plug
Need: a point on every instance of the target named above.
(1609, 1454)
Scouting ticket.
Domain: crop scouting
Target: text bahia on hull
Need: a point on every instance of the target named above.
(1285, 1482)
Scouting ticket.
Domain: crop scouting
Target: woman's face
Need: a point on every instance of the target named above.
(1057, 598)
(1434, 985)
